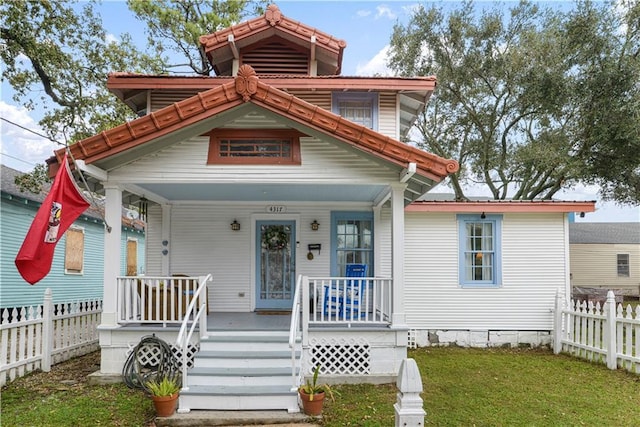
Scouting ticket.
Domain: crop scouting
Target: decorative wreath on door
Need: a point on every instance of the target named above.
(275, 237)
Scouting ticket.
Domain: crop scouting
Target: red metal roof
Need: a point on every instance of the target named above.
(248, 87)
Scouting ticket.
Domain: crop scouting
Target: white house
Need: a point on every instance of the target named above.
(262, 186)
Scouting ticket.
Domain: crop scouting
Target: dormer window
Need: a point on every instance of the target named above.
(254, 147)
(360, 108)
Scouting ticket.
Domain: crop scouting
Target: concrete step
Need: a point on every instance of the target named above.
(220, 376)
(267, 397)
(244, 359)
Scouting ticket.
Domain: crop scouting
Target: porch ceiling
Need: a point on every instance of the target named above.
(266, 192)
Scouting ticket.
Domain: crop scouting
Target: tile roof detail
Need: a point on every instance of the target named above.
(247, 87)
(273, 19)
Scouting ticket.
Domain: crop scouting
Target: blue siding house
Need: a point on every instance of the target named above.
(78, 267)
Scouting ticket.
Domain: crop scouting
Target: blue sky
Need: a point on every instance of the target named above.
(366, 26)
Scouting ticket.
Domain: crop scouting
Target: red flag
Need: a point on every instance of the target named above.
(60, 208)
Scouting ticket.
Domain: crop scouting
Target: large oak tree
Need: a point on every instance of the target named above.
(530, 100)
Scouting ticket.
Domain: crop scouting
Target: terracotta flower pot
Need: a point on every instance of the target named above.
(312, 407)
(165, 405)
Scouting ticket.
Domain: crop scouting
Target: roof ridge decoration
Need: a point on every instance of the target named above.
(248, 87)
(274, 18)
(273, 15)
(246, 82)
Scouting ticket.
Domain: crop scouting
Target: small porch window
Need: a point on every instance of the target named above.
(352, 241)
(358, 107)
(257, 147)
(480, 252)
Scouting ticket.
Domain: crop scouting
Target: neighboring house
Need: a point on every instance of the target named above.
(77, 271)
(606, 255)
(273, 177)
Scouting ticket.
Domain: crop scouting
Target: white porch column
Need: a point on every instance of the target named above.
(113, 217)
(376, 241)
(166, 233)
(398, 319)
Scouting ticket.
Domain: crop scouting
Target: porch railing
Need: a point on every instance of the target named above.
(349, 301)
(295, 334)
(146, 299)
(197, 312)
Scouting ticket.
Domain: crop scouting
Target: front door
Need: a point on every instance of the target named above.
(276, 269)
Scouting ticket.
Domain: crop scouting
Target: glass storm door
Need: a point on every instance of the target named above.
(275, 275)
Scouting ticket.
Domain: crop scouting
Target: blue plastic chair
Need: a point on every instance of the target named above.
(354, 292)
(345, 301)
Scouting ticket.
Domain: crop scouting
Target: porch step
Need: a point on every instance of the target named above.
(247, 376)
(246, 370)
(240, 398)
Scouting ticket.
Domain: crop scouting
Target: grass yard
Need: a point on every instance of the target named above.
(500, 387)
(462, 387)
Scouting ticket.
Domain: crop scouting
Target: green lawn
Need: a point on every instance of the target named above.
(500, 387)
(462, 387)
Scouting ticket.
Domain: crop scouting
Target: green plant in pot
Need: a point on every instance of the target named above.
(164, 390)
(313, 394)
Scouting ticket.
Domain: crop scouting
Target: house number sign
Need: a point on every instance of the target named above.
(276, 209)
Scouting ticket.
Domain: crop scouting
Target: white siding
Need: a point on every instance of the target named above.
(533, 269)
(153, 241)
(387, 123)
(161, 99)
(384, 233)
(202, 242)
(321, 162)
(595, 265)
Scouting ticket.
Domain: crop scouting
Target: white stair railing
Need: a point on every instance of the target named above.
(197, 306)
(295, 331)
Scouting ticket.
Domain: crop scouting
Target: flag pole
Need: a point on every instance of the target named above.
(84, 181)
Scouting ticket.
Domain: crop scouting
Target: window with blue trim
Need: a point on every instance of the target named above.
(480, 250)
(351, 241)
(358, 107)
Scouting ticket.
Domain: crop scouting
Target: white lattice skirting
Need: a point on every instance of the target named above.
(340, 356)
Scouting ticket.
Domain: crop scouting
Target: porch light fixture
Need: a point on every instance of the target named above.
(235, 225)
(483, 216)
(315, 225)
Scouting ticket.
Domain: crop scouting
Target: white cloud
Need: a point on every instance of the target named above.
(384, 11)
(376, 65)
(22, 149)
(110, 38)
(363, 13)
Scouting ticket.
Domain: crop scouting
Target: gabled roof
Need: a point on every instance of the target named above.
(413, 92)
(247, 87)
(222, 46)
(621, 233)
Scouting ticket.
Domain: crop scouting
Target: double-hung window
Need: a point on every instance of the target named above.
(358, 107)
(351, 241)
(480, 250)
(623, 265)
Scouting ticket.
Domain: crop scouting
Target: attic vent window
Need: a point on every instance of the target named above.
(258, 147)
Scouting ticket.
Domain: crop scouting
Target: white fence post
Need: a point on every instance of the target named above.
(557, 322)
(610, 312)
(408, 407)
(47, 330)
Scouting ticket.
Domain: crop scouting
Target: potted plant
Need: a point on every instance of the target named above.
(164, 391)
(312, 394)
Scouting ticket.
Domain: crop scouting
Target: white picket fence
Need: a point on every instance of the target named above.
(607, 333)
(37, 337)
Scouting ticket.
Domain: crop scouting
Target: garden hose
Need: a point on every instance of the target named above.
(151, 358)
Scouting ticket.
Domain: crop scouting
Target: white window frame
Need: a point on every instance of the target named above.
(338, 97)
(618, 265)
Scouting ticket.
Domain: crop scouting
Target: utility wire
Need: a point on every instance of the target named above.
(68, 150)
(33, 131)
